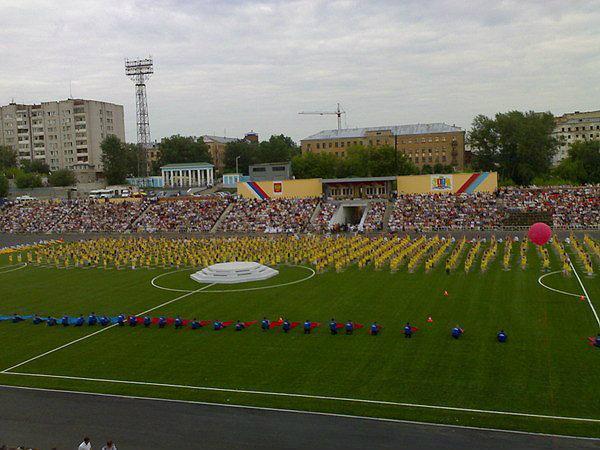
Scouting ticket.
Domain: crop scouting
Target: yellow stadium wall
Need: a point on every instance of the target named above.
(447, 183)
(311, 187)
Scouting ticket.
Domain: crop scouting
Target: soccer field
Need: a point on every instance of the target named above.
(544, 379)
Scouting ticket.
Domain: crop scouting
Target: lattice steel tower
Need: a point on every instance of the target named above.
(139, 70)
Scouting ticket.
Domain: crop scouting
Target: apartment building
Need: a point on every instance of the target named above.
(217, 145)
(576, 126)
(433, 143)
(65, 134)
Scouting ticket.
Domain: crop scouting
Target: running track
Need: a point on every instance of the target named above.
(47, 419)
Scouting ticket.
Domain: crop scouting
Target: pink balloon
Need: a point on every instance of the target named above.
(539, 233)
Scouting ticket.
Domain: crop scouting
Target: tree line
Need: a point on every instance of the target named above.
(520, 146)
(28, 174)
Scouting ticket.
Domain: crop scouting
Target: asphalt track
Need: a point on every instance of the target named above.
(48, 419)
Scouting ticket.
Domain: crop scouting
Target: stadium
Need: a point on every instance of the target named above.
(284, 298)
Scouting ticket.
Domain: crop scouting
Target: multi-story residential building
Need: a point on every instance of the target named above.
(576, 126)
(65, 134)
(217, 145)
(433, 143)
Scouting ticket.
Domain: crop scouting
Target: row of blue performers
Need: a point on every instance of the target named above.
(286, 325)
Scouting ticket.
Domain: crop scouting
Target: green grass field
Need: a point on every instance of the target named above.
(546, 368)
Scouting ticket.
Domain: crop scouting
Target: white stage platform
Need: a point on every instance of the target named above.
(234, 272)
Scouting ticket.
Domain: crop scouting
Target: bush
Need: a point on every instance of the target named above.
(552, 181)
(63, 177)
(28, 180)
(3, 185)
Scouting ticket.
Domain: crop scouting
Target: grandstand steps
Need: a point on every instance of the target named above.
(60, 220)
(365, 214)
(315, 214)
(389, 209)
(217, 224)
(138, 218)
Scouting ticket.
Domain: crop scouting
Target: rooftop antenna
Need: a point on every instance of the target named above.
(70, 89)
(338, 112)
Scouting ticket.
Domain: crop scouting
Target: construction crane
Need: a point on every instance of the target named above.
(338, 112)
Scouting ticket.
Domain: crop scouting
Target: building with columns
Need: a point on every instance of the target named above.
(188, 175)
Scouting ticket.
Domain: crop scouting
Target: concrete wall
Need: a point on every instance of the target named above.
(448, 183)
(311, 187)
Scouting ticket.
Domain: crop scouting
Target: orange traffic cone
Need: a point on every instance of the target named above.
(446, 294)
(429, 320)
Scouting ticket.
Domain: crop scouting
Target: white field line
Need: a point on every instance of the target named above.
(259, 288)
(102, 330)
(309, 396)
(587, 296)
(294, 411)
(551, 288)
(13, 267)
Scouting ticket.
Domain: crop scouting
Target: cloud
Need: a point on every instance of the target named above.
(241, 65)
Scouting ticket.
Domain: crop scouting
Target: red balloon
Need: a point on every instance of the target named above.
(539, 233)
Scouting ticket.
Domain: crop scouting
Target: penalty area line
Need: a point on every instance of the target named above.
(102, 330)
(312, 397)
(295, 411)
(587, 296)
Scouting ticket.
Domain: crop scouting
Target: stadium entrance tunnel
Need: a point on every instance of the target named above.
(234, 273)
(350, 214)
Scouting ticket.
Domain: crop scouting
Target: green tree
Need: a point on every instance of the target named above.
(3, 185)
(35, 166)
(247, 152)
(426, 169)
(315, 165)
(519, 145)
(182, 149)
(114, 159)
(582, 164)
(8, 157)
(278, 148)
(63, 177)
(28, 180)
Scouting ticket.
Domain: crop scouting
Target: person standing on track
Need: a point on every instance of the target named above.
(85, 445)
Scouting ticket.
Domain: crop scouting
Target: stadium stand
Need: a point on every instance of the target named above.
(508, 208)
(269, 216)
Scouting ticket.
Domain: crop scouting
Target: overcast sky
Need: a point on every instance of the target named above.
(240, 65)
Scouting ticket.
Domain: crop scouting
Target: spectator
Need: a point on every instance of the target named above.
(86, 444)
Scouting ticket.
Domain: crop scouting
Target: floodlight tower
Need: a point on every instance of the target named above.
(139, 70)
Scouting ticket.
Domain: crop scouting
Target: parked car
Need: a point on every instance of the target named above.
(25, 198)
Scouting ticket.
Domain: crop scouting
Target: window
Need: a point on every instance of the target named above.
(336, 144)
(278, 168)
(318, 145)
(342, 144)
(259, 169)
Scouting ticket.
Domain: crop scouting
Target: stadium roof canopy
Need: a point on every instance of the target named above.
(357, 180)
(219, 139)
(198, 165)
(396, 130)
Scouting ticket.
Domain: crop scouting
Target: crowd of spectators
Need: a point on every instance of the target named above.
(269, 216)
(88, 216)
(32, 216)
(322, 220)
(189, 215)
(567, 207)
(374, 219)
(442, 212)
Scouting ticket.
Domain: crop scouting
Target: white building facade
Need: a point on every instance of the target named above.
(188, 175)
(573, 127)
